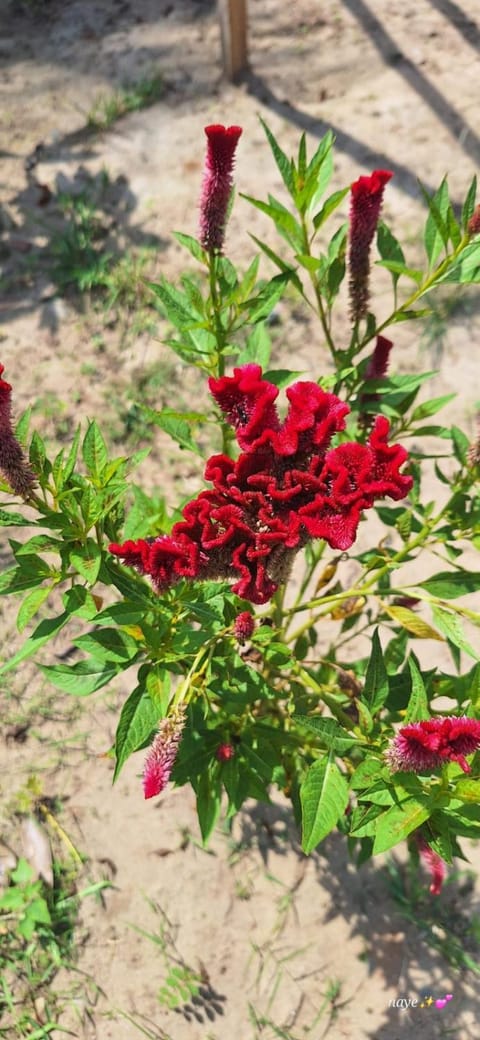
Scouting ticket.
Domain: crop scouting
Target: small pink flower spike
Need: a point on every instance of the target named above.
(162, 754)
(13, 464)
(217, 184)
(434, 864)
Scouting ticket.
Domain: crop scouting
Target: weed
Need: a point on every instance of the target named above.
(132, 97)
(186, 990)
(78, 260)
(37, 926)
(125, 282)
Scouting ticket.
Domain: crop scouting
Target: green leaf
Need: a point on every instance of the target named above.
(178, 429)
(366, 774)
(451, 584)
(31, 604)
(461, 445)
(398, 822)
(320, 169)
(281, 377)
(109, 644)
(138, 718)
(324, 797)
(94, 451)
(284, 221)
(175, 305)
(159, 688)
(283, 163)
(193, 246)
(42, 634)
(329, 206)
(13, 519)
(469, 204)
(452, 628)
(431, 407)
(80, 602)
(22, 427)
(412, 622)
(468, 790)
(80, 679)
(375, 691)
(397, 268)
(208, 803)
(417, 707)
(86, 560)
(260, 306)
(257, 348)
(329, 732)
(436, 233)
(72, 456)
(277, 260)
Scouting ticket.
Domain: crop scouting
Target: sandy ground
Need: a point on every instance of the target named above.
(268, 931)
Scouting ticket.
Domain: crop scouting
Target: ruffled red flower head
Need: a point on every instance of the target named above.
(287, 486)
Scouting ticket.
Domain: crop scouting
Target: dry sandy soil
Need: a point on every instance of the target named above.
(398, 83)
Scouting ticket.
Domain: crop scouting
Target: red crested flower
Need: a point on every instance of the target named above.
(288, 485)
(423, 746)
(243, 626)
(13, 464)
(217, 184)
(162, 753)
(366, 203)
(433, 862)
(225, 752)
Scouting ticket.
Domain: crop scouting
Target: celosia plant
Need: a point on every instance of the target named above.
(236, 700)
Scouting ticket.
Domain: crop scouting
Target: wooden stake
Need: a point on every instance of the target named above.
(233, 26)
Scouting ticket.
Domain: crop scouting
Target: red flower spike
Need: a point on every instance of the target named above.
(225, 752)
(473, 226)
(217, 184)
(378, 363)
(366, 203)
(285, 487)
(434, 864)
(13, 464)
(244, 626)
(162, 754)
(423, 746)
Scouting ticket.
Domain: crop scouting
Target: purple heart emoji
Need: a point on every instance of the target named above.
(449, 996)
(440, 1004)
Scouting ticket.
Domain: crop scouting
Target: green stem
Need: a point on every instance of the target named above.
(219, 333)
(363, 589)
(426, 285)
(318, 296)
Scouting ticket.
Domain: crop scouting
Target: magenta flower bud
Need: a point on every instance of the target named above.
(423, 746)
(13, 463)
(225, 752)
(217, 184)
(244, 626)
(162, 753)
(366, 203)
